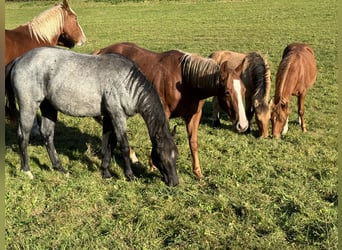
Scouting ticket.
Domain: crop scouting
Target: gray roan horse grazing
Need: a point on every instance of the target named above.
(296, 73)
(85, 85)
(256, 76)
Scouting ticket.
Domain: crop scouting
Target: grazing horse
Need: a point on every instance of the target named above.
(296, 73)
(257, 79)
(55, 26)
(75, 84)
(183, 82)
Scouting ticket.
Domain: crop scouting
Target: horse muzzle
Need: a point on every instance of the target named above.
(241, 127)
(171, 181)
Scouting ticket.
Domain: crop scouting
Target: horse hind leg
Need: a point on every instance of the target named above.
(301, 120)
(27, 114)
(47, 129)
(23, 140)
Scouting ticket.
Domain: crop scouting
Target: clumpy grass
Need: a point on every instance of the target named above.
(256, 194)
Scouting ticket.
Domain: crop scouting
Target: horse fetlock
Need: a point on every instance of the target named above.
(106, 174)
(129, 176)
(198, 173)
(29, 174)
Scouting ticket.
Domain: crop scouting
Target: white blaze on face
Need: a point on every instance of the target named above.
(242, 115)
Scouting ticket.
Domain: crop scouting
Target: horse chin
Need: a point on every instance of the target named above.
(65, 41)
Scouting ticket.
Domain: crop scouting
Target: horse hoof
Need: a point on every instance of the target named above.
(29, 174)
(199, 174)
(216, 124)
(153, 168)
(130, 177)
(134, 158)
(106, 175)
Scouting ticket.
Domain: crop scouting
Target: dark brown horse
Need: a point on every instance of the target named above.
(183, 82)
(296, 73)
(55, 26)
(257, 79)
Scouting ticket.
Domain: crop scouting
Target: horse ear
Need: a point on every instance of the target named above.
(224, 70)
(65, 4)
(239, 68)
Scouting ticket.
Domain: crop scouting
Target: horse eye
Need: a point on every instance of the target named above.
(227, 93)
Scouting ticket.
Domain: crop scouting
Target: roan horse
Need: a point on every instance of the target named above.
(296, 73)
(55, 26)
(257, 79)
(183, 82)
(76, 84)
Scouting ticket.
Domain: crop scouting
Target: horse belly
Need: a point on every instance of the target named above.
(77, 103)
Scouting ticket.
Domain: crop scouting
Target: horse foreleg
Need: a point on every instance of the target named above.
(301, 99)
(192, 125)
(119, 124)
(47, 129)
(132, 154)
(108, 145)
(216, 112)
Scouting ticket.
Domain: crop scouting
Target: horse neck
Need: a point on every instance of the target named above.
(36, 41)
(201, 75)
(260, 75)
(283, 92)
(150, 108)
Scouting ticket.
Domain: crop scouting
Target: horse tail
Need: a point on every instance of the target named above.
(10, 105)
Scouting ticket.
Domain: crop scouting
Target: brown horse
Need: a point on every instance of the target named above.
(183, 82)
(257, 79)
(296, 73)
(55, 26)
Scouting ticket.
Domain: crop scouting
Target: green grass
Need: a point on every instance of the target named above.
(257, 194)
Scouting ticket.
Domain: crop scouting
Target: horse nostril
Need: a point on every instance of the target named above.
(240, 128)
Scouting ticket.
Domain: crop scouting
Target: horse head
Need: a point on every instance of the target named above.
(263, 115)
(279, 116)
(164, 156)
(231, 99)
(72, 33)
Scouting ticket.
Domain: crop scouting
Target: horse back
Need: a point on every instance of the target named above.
(14, 45)
(298, 68)
(163, 70)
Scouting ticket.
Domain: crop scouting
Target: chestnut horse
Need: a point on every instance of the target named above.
(257, 79)
(55, 26)
(296, 73)
(183, 82)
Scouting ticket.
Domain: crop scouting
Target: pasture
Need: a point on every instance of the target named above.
(256, 194)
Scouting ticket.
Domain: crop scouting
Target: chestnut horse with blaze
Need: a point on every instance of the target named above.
(296, 73)
(183, 82)
(256, 76)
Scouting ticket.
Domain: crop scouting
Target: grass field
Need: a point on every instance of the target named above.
(256, 194)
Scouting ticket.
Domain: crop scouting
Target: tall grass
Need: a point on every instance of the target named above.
(256, 194)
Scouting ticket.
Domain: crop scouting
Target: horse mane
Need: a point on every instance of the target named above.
(47, 24)
(200, 72)
(261, 76)
(281, 76)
